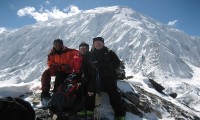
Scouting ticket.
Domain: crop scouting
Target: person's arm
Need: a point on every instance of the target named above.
(90, 73)
(53, 66)
(50, 60)
(85, 65)
(115, 60)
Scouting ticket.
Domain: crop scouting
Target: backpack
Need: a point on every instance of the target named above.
(16, 109)
(66, 97)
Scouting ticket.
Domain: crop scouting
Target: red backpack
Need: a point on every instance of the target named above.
(66, 96)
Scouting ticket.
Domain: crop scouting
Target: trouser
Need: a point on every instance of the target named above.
(114, 97)
(46, 80)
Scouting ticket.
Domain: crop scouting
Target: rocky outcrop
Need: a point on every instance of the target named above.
(158, 105)
(141, 103)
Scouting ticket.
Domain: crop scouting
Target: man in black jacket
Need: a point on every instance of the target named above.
(107, 62)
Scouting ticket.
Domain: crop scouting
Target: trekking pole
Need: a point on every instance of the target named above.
(97, 96)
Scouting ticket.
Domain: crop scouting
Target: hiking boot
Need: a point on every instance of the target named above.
(44, 102)
(120, 118)
(83, 112)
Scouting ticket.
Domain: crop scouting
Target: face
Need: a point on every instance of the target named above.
(58, 46)
(83, 50)
(98, 44)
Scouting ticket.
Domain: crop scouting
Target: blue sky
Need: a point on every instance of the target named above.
(182, 14)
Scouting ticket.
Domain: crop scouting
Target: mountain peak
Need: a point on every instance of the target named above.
(146, 46)
(106, 9)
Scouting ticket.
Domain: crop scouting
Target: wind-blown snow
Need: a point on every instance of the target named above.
(148, 48)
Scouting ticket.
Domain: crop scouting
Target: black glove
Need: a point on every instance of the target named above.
(95, 64)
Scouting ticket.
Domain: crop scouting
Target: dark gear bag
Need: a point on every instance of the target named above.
(121, 74)
(16, 109)
(66, 97)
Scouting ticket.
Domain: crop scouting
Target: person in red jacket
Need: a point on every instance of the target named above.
(59, 65)
(78, 58)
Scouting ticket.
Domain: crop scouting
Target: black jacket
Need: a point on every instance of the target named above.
(106, 61)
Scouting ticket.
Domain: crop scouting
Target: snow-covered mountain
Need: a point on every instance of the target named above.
(148, 48)
(145, 45)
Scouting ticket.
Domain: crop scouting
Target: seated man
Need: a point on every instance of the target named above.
(58, 65)
(75, 64)
(67, 96)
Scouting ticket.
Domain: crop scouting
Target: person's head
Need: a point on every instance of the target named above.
(58, 44)
(98, 42)
(83, 48)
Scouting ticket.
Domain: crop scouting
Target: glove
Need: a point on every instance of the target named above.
(95, 64)
(54, 68)
(90, 93)
(65, 67)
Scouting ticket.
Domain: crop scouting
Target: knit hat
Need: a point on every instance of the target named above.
(98, 38)
(84, 44)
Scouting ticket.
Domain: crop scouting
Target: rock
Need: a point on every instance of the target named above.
(174, 95)
(157, 86)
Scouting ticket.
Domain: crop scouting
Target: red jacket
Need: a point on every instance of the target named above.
(57, 61)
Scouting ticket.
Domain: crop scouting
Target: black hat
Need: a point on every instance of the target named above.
(58, 41)
(98, 38)
(84, 44)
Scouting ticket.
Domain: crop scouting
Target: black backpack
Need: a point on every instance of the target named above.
(66, 97)
(121, 74)
(16, 109)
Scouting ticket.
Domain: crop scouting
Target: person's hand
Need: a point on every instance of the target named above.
(90, 93)
(54, 67)
(65, 67)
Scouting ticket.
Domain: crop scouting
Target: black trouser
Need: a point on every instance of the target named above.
(110, 87)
